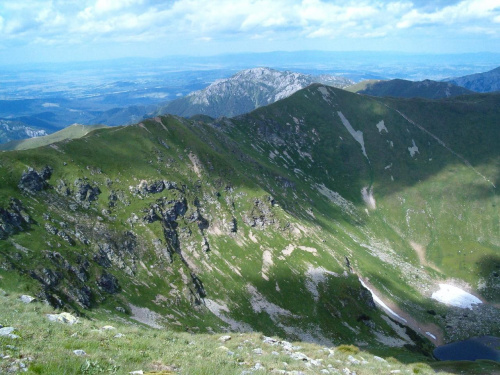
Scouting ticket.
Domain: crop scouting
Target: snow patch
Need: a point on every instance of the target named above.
(367, 194)
(431, 335)
(381, 127)
(381, 303)
(356, 134)
(414, 149)
(453, 296)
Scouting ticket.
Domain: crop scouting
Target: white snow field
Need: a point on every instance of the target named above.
(453, 296)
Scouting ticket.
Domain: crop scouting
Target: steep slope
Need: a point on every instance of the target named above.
(245, 91)
(401, 88)
(272, 221)
(480, 82)
(71, 132)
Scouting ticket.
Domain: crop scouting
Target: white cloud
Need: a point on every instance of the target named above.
(463, 12)
(86, 21)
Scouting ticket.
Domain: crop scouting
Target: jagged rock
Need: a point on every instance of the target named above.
(51, 229)
(85, 193)
(81, 237)
(49, 298)
(62, 188)
(33, 181)
(261, 215)
(14, 219)
(64, 317)
(27, 299)
(205, 246)
(81, 272)
(46, 276)
(46, 172)
(65, 236)
(379, 359)
(82, 296)
(108, 283)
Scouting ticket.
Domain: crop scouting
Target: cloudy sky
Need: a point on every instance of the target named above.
(59, 30)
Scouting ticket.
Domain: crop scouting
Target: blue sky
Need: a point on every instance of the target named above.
(56, 30)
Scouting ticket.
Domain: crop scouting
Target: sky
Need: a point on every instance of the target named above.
(75, 30)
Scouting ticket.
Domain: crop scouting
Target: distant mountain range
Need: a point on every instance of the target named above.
(11, 130)
(401, 88)
(246, 91)
(71, 132)
(480, 82)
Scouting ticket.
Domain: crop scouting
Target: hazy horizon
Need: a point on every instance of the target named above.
(92, 30)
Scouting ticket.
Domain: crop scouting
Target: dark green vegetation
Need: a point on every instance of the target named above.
(401, 88)
(71, 132)
(266, 221)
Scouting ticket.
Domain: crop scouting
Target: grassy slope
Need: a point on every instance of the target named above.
(47, 348)
(377, 242)
(71, 132)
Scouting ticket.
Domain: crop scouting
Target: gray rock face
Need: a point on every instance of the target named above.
(246, 91)
(85, 193)
(261, 215)
(33, 181)
(108, 283)
(14, 219)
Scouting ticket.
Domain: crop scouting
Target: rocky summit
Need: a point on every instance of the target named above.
(330, 218)
(246, 91)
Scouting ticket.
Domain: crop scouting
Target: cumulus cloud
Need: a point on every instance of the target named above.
(59, 21)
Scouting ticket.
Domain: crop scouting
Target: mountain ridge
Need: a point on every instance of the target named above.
(245, 91)
(270, 220)
(480, 82)
(410, 89)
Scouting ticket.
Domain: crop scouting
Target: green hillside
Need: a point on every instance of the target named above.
(71, 132)
(401, 88)
(269, 221)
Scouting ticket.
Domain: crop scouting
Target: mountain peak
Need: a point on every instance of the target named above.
(246, 91)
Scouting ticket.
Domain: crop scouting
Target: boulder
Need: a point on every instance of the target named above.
(7, 332)
(27, 299)
(64, 317)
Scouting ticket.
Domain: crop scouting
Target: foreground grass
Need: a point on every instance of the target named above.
(45, 347)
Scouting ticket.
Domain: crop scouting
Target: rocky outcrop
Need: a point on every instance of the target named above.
(32, 181)
(85, 193)
(154, 187)
(14, 219)
(108, 283)
(261, 215)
